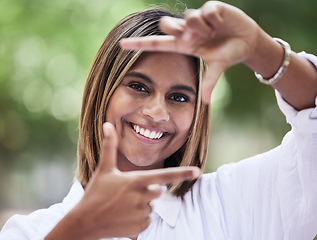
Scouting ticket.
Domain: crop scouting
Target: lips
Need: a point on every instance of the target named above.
(151, 134)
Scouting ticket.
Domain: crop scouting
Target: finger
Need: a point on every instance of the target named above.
(147, 209)
(212, 13)
(156, 43)
(138, 216)
(210, 79)
(150, 43)
(196, 23)
(134, 225)
(152, 191)
(108, 154)
(172, 26)
(168, 175)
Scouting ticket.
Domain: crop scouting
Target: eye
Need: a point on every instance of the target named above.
(179, 98)
(138, 87)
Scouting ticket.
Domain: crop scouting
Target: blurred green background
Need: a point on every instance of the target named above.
(46, 51)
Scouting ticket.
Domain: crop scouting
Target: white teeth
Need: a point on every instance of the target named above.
(147, 133)
(157, 135)
(152, 135)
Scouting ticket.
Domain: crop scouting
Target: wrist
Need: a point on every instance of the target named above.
(283, 67)
(69, 227)
(267, 56)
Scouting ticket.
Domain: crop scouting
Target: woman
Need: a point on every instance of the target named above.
(156, 119)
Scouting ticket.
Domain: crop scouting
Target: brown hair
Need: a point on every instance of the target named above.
(109, 67)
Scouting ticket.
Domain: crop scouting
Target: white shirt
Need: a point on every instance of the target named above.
(269, 196)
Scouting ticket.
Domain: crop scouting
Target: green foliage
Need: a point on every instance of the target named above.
(46, 50)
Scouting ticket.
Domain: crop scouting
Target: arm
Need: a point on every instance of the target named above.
(223, 36)
(298, 85)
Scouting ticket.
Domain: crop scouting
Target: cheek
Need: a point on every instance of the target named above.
(118, 105)
(184, 121)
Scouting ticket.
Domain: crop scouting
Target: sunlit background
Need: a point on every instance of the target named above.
(46, 51)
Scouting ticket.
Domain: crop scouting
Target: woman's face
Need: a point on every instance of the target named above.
(152, 109)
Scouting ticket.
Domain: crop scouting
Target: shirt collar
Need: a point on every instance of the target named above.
(167, 207)
(73, 197)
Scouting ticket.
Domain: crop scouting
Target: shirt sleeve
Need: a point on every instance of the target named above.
(39, 223)
(33, 226)
(274, 194)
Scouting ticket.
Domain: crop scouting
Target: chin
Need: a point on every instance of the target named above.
(144, 163)
(137, 163)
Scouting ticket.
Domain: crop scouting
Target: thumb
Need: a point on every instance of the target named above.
(210, 79)
(109, 148)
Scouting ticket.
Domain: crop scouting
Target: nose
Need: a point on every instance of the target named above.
(156, 109)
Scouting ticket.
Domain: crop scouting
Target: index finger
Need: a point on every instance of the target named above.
(165, 43)
(168, 175)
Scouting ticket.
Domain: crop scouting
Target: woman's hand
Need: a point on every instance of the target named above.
(115, 203)
(223, 36)
(217, 32)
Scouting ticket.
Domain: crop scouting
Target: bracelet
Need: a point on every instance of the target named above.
(281, 71)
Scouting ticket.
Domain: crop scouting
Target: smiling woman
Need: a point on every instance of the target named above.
(111, 86)
(144, 134)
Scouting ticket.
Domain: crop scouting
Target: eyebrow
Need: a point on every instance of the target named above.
(148, 80)
(139, 75)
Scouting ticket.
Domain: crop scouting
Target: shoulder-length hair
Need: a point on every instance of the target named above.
(109, 68)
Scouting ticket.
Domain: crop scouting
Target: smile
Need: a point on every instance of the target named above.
(146, 132)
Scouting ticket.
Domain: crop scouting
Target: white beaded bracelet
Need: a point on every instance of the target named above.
(283, 67)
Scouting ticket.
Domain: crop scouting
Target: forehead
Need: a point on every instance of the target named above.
(172, 67)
